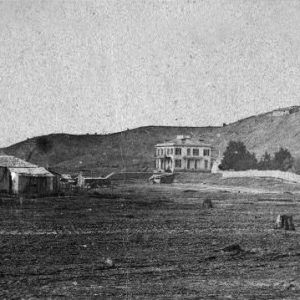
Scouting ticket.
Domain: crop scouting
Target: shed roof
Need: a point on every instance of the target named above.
(14, 162)
(36, 171)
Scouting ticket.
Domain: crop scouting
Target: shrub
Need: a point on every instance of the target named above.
(266, 162)
(296, 166)
(237, 157)
(283, 160)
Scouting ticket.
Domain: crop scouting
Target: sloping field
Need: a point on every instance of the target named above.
(133, 150)
(149, 242)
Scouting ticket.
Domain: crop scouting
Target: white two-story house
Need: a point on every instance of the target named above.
(183, 154)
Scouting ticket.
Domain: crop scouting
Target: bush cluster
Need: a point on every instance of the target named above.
(237, 157)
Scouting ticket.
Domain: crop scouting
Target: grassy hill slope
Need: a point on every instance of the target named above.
(133, 149)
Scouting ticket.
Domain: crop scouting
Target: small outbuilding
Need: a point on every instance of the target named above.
(18, 176)
(93, 182)
(63, 182)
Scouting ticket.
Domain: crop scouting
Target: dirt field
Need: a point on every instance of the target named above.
(150, 242)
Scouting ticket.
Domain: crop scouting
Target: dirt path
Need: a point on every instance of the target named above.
(221, 188)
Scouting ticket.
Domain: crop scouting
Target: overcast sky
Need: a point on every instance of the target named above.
(104, 66)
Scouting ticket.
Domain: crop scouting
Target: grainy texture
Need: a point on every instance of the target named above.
(134, 149)
(76, 75)
(150, 242)
(103, 66)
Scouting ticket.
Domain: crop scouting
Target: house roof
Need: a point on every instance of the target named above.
(20, 166)
(14, 162)
(36, 171)
(184, 142)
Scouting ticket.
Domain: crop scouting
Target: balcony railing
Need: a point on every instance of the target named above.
(163, 155)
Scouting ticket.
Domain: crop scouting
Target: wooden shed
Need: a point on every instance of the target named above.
(20, 177)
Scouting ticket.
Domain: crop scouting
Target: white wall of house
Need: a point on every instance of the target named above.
(193, 158)
(14, 183)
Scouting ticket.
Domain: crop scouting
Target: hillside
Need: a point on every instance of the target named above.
(133, 149)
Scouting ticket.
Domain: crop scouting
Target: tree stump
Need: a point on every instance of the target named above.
(207, 203)
(284, 222)
(233, 247)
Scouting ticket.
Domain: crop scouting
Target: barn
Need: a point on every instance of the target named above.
(21, 177)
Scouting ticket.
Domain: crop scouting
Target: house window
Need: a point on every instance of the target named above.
(178, 163)
(206, 152)
(171, 150)
(188, 151)
(177, 151)
(206, 164)
(195, 152)
(161, 151)
(168, 151)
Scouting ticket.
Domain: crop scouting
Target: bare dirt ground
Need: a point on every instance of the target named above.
(151, 242)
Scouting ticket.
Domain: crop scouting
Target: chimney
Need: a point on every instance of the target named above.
(183, 137)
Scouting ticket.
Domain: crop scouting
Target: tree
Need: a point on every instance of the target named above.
(266, 162)
(296, 165)
(42, 144)
(237, 157)
(283, 160)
